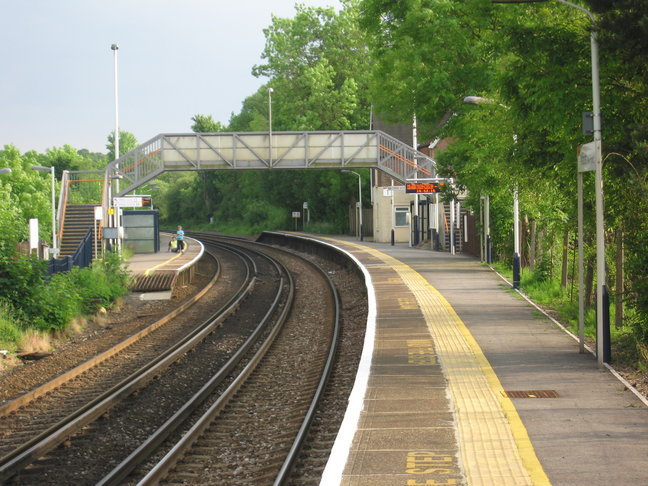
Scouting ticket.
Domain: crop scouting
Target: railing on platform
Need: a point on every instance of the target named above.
(81, 258)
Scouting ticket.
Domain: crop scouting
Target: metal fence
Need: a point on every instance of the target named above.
(81, 258)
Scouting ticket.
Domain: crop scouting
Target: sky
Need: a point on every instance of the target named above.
(175, 59)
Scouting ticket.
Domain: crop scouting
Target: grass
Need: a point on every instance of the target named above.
(562, 303)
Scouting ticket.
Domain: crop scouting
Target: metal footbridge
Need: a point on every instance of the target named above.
(269, 150)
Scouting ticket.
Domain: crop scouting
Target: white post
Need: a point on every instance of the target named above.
(581, 266)
(53, 197)
(360, 205)
(452, 227)
(600, 226)
(270, 90)
(482, 245)
(487, 224)
(414, 220)
(54, 242)
(601, 331)
(516, 221)
(115, 48)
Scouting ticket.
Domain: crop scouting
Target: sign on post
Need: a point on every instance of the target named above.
(587, 157)
(132, 202)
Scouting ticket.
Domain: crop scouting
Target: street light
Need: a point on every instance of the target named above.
(51, 171)
(359, 199)
(479, 100)
(602, 322)
(270, 91)
(115, 48)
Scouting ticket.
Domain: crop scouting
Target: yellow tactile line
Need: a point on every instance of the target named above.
(150, 271)
(494, 445)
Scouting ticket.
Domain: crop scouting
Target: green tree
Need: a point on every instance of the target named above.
(318, 65)
(127, 142)
(205, 124)
(429, 54)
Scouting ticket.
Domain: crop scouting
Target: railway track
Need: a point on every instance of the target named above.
(253, 433)
(139, 423)
(76, 402)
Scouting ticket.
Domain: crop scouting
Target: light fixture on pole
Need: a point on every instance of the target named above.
(270, 90)
(115, 217)
(360, 235)
(479, 100)
(115, 48)
(51, 171)
(602, 320)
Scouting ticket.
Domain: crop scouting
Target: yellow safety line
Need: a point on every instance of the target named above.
(148, 272)
(494, 443)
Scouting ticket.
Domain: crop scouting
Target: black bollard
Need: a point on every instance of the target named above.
(516, 271)
(607, 344)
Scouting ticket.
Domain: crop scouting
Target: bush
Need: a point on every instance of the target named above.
(101, 283)
(58, 302)
(21, 282)
(48, 305)
(10, 331)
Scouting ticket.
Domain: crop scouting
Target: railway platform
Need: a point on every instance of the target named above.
(464, 382)
(155, 274)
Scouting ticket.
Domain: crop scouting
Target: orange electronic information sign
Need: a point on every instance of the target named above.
(423, 188)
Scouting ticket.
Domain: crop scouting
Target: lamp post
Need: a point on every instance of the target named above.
(360, 236)
(602, 322)
(270, 91)
(51, 171)
(115, 48)
(478, 100)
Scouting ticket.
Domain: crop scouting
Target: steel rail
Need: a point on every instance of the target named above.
(177, 452)
(160, 471)
(74, 372)
(23, 456)
(286, 468)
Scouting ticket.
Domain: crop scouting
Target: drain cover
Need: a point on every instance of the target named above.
(530, 393)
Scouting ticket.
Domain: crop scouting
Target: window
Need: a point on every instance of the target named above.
(400, 215)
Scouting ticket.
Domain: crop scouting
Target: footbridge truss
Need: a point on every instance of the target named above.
(276, 150)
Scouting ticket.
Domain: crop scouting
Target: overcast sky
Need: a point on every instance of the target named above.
(175, 59)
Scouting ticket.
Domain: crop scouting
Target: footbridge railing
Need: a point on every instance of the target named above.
(263, 150)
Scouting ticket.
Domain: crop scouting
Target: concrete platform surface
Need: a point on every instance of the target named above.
(508, 395)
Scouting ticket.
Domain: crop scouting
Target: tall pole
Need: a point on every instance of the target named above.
(115, 48)
(360, 204)
(359, 201)
(54, 242)
(415, 219)
(581, 266)
(270, 90)
(602, 327)
(489, 258)
(602, 321)
(516, 238)
(116, 224)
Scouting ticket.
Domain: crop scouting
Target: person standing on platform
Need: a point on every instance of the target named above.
(173, 244)
(180, 238)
